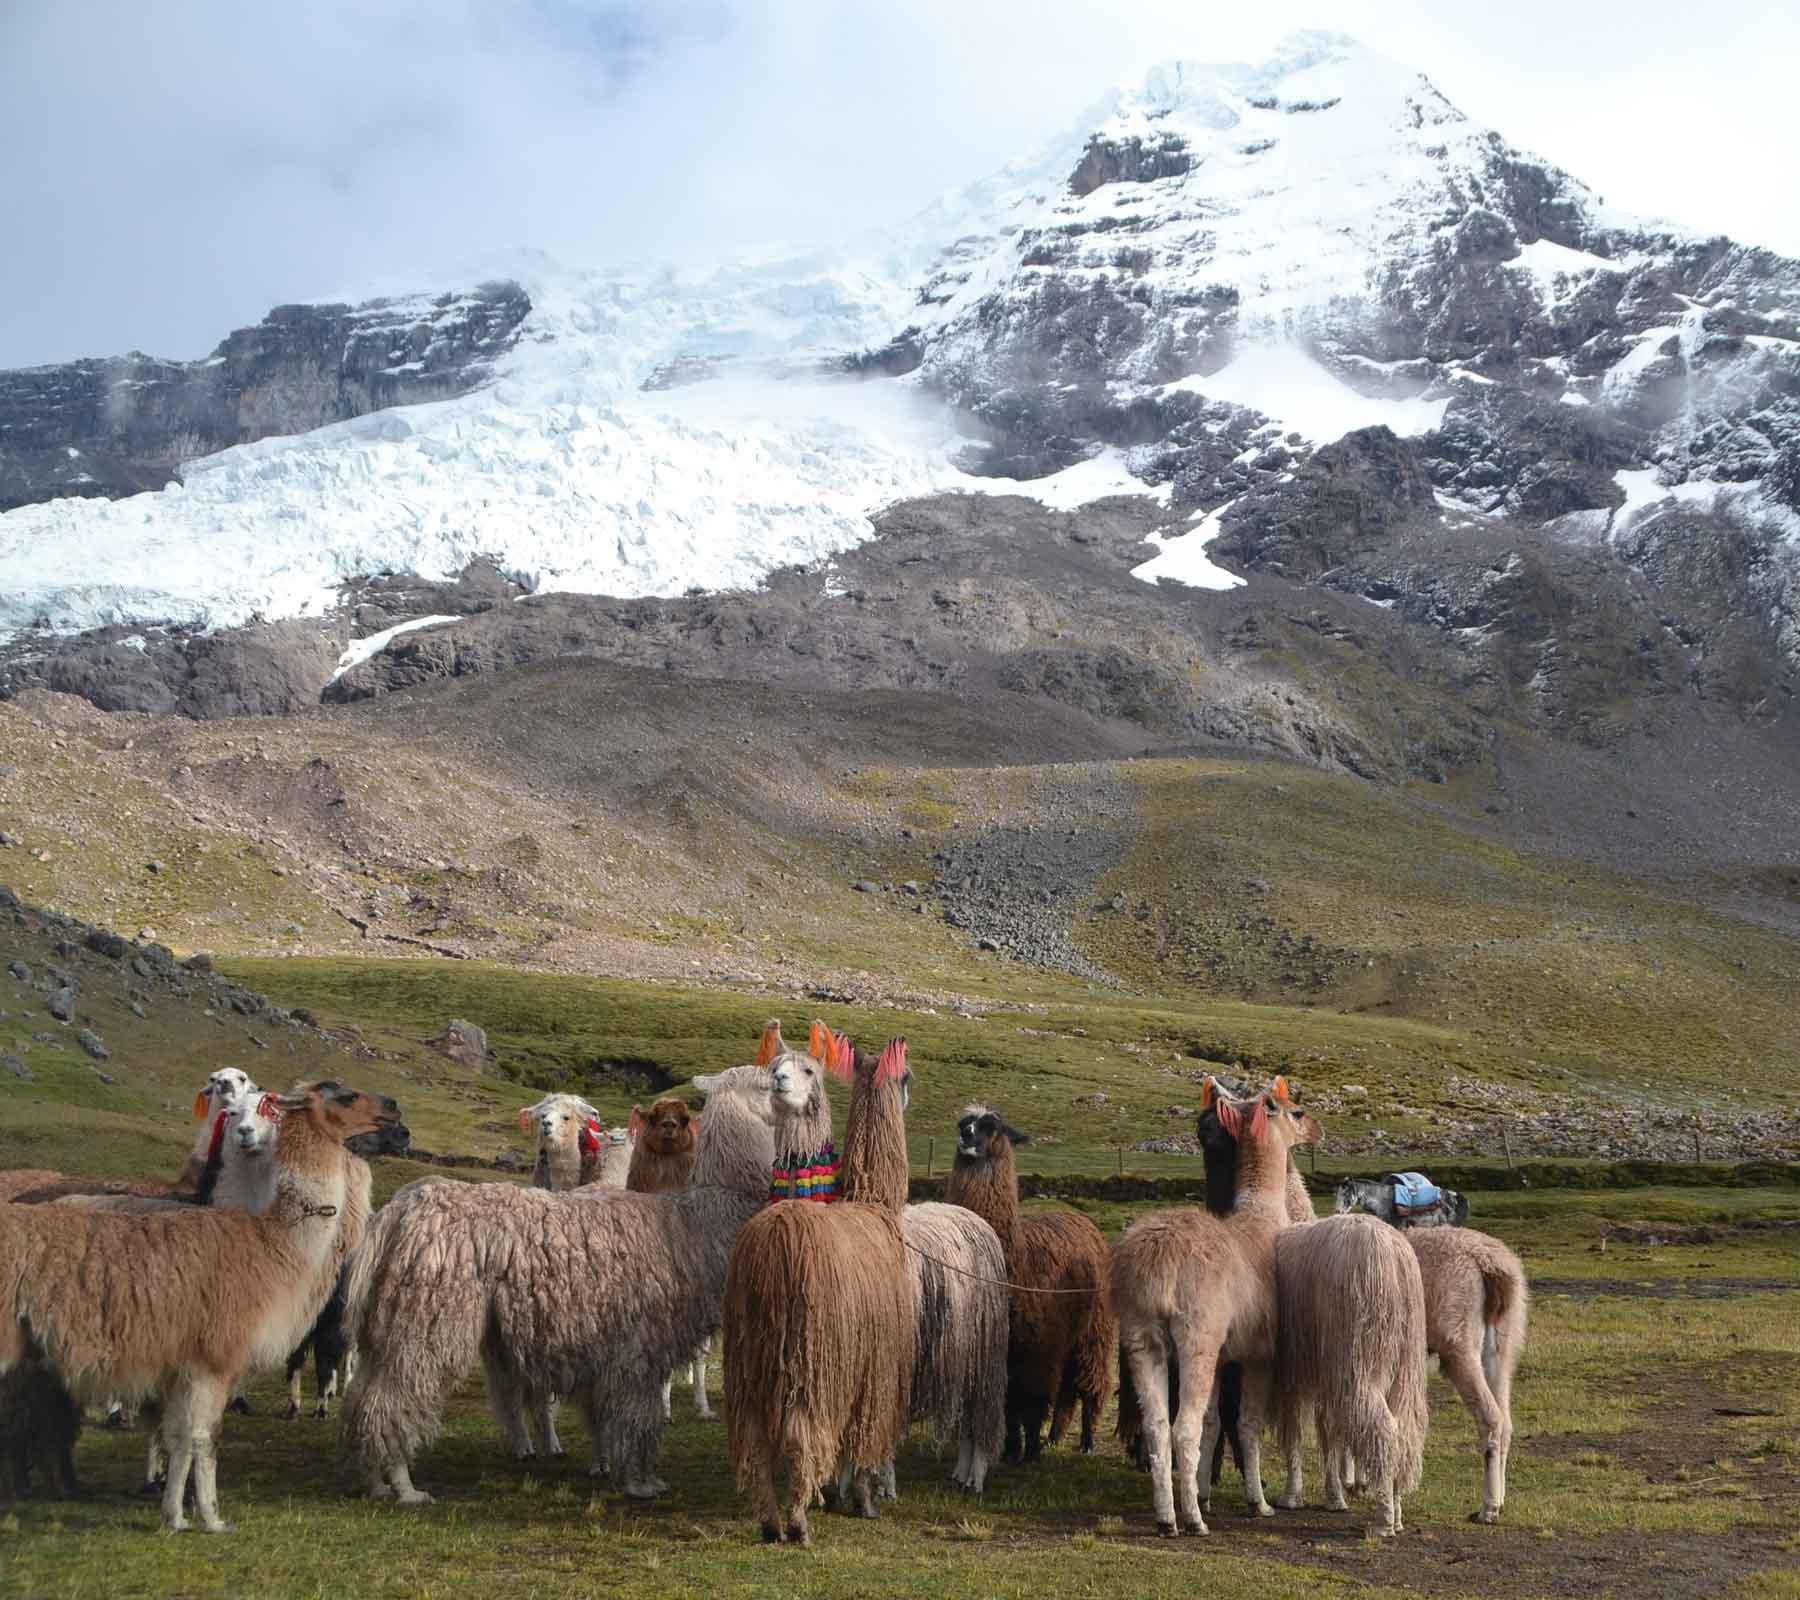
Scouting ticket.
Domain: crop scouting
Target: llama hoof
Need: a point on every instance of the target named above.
(321, 1411)
(1166, 1529)
(241, 1406)
(412, 1497)
(770, 1533)
(555, 1455)
(1195, 1530)
(179, 1525)
(291, 1412)
(647, 1490)
(1287, 1502)
(1380, 1530)
(218, 1527)
(798, 1533)
(1262, 1510)
(1487, 1514)
(1338, 1506)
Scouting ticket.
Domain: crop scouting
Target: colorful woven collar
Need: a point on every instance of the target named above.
(813, 1177)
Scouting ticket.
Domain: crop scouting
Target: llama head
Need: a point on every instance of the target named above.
(558, 1120)
(982, 1134)
(1274, 1116)
(225, 1090)
(668, 1128)
(797, 1077)
(250, 1130)
(339, 1112)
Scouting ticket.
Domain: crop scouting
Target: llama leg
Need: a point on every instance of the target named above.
(1015, 1424)
(965, 1462)
(1149, 1373)
(701, 1405)
(763, 1504)
(1193, 1407)
(1211, 1436)
(668, 1398)
(1387, 1511)
(1034, 1412)
(1340, 1474)
(400, 1485)
(1257, 1402)
(888, 1487)
(178, 1440)
(156, 1464)
(507, 1400)
(634, 1427)
(293, 1377)
(204, 1412)
(543, 1421)
(868, 1492)
(794, 1526)
(1491, 1427)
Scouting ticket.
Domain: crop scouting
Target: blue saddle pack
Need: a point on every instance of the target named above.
(1414, 1192)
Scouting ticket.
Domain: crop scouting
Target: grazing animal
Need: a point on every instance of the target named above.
(1477, 1307)
(188, 1300)
(663, 1143)
(39, 1421)
(596, 1294)
(806, 1158)
(820, 1324)
(1350, 1315)
(1060, 1348)
(1406, 1199)
(1195, 1287)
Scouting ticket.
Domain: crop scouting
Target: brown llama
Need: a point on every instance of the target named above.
(1194, 1288)
(820, 1331)
(665, 1141)
(188, 1299)
(1219, 1152)
(1062, 1329)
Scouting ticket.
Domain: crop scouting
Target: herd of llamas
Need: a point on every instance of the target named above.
(845, 1314)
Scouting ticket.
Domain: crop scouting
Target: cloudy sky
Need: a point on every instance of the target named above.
(172, 170)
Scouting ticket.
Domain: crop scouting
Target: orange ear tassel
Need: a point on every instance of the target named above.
(840, 1057)
(771, 1045)
(1281, 1092)
(818, 1041)
(201, 1101)
(1208, 1094)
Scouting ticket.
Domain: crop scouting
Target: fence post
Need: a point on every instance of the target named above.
(1506, 1141)
(1312, 1159)
(1696, 1147)
(931, 1157)
(1121, 1161)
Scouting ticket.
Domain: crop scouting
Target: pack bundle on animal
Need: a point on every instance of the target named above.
(1406, 1199)
(596, 1294)
(820, 1319)
(1061, 1326)
(188, 1299)
(1195, 1288)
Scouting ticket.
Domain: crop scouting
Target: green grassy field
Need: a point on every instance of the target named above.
(1658, 1446)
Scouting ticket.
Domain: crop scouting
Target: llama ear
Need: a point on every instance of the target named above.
(1230, 1118)
(589, 1112)
(771, 1045)
(818, 1042)
(201, 1101)
(1208, 1094)
(1259, 1121)
(840, 1055)
(893, 1061)
(526, 1118)
(638, 1121)
(1279, 1089)
(1014, 1135)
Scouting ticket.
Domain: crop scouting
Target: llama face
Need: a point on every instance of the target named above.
(797, 1082)
(667, 1127)
(982, 1133)
(251, 1131)
(228, 1089)
(344, 1113)
(558, 1120)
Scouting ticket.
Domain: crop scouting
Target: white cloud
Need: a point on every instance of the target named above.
(177, 169)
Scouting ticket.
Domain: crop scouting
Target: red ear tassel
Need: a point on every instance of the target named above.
(893, 1061)
(1230, 1118)
(218, 1136)
(588, 1140)
(269, 1108)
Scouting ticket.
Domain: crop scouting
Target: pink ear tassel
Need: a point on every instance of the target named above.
(893, 1061)
(1230, 1118)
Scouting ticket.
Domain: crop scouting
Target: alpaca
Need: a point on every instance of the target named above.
(806, 1158)
(1477, 1306)
(189, 1300)
(597, 1294)
(1363, 1373)
(1060, 1348)
(1219, 1151)
(820, 1325)
(1196, 1287)
(663, 1141)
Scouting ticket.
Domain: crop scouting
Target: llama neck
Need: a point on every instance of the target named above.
(874, 1165)
(737, 1152)
(1262, 1167)
(653, 1172)
(311, 1190)
(989, 1186)
(558, 1166)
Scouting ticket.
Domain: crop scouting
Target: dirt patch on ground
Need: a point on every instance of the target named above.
(1662, 1288)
